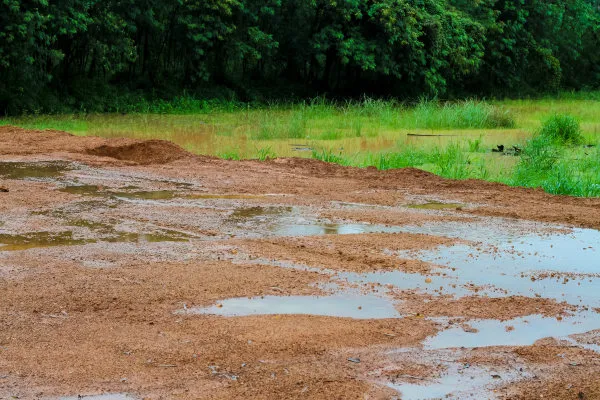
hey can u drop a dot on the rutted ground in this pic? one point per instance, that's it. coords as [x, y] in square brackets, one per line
[135, 268]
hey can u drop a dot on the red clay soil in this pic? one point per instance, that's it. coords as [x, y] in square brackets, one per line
[108, 315]
[143, 153]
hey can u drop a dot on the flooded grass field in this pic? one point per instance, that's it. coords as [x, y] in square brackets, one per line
[468, 139]
[368, 126]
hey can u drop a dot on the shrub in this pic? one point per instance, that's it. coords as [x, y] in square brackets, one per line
[562, 129]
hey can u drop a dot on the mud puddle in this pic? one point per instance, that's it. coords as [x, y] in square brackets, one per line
[100, 191]
[9, 242]
[300, 221]
[129, 193]
[214, 196]
[291, 221]
[109, 396]
[434, 205]
[146, 195]
[458, 382]
[507, 259]
[158, 237]
[34, 170]
[555, 266]
[339, 305]
[559, 266]
[83, 190]
[457, 379]
[522, 331]
[105, 233]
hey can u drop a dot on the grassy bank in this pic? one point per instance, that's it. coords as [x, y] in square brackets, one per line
[556, 166]
[454, 140]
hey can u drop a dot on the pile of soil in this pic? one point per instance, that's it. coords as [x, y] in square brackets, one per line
[19, 141]
[143, 153]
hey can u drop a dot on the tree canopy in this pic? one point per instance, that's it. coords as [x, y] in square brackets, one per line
[64, 52]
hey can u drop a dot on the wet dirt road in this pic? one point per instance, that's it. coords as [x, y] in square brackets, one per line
[133, 270]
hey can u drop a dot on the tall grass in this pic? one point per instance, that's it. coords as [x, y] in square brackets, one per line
[323, 120]
[461, 115]
[551, 161]
[562, 129]
[450, 162]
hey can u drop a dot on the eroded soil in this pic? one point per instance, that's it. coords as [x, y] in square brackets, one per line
[133, 269]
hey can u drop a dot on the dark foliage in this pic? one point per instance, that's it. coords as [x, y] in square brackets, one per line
[92, 54]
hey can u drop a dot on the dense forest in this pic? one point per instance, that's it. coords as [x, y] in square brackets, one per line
[83, 54]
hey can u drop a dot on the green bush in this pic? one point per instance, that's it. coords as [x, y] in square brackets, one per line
[562, 129]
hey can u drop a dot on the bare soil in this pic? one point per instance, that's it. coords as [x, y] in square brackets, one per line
[103, 309]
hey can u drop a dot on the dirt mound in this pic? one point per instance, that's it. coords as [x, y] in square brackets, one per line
[147, 152]
[18, 141]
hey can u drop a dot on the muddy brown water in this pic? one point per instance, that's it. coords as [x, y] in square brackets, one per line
[434, 205]
[84, 190]
[33, 170]
[45, 239]
[34, 240]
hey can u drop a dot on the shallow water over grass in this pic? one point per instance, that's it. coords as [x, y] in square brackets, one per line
[281, 132]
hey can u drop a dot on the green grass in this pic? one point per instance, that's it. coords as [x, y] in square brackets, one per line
[562, 129]
[553, 160]
[450, 162]
[451, 139]
[230, 154]
[462, 115]
[265, 153]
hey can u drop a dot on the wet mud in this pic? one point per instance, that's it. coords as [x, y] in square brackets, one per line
[133, 270]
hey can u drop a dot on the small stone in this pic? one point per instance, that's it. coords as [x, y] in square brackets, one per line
[354, 360]
[3, 189]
